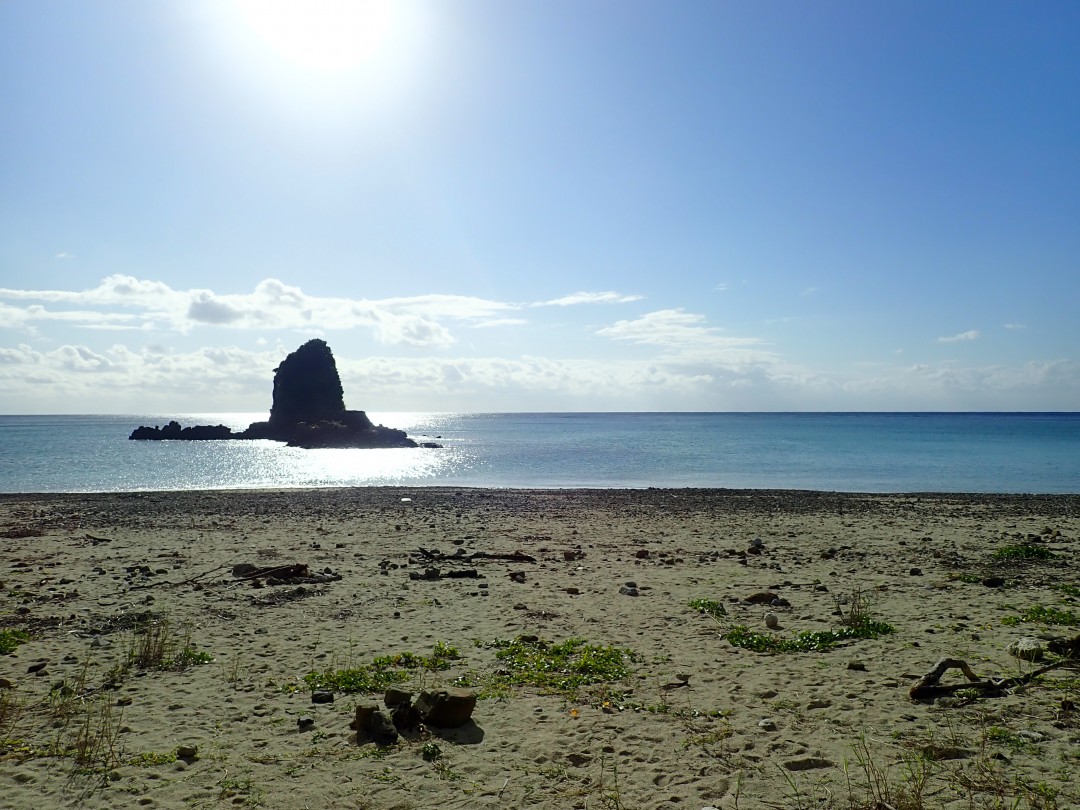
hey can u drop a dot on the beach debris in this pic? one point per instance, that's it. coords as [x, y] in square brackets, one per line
[771, 621]
[629, 589]
[928, 686]
[288, 574]
[322, 696]
[424, 555]
[1027, 648]
[305, 723]
[187, 753]
[517, 576]
[767, 724]
[856, 666]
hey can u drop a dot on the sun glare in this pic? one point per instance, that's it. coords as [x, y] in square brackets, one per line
[322, 35]
[325, 62]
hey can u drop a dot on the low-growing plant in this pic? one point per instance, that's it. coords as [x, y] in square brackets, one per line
[710, 607]
[11, 639]
[1023, 551]
[1038, 614]
[806, 641]
[560, 668]
[383, 671]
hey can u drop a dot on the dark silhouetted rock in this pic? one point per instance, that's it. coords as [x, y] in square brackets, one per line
[308, 411]
[307, 389]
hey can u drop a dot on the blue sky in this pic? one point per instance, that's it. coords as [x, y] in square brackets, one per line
[560, 205]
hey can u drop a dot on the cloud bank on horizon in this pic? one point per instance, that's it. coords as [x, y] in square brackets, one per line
[556, 206]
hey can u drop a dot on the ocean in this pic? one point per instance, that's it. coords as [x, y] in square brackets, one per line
[842, 452]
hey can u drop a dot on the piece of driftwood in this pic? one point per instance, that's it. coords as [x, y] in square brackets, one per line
[461, 556]
[187, 581]
[928, 686]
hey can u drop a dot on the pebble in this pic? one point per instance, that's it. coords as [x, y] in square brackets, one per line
[916, 572]
[628, 591]
[322, 696]
[857, 666]
[771, 621]
[767, 724]
[304, 723]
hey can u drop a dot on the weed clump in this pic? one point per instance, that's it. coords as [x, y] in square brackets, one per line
[383, 671]
[1023, 551]
[1038, 614]
[806, 641]
[710, 607]
[11, 639]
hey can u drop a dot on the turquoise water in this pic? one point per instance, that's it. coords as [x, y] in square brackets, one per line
[852, 452]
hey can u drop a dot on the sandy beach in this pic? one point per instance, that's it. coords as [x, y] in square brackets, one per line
[244, 594]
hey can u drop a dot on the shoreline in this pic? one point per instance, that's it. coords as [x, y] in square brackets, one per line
[86, 575]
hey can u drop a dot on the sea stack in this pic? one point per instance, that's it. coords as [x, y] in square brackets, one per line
[308, 410]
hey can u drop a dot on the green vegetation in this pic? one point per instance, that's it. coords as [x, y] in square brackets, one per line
[1068, 590]
[560, 668]
[11, 639]
[1023, 551]
[807, 641]
[383, 672]
[1007, 739]
[709, 607]
[1037, 614]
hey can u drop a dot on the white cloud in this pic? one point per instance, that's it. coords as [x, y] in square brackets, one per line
[500, 322]
[971, 334]
[64, 255]
[272, 305]
[1016, 326]
[590, 298]
[672, 327]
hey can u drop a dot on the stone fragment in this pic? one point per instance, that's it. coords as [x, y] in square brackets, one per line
[761, 598]
[305, 723]
[807, 763]
[381, 729]
[395, 697]
[771, 621]
[188, 753]
[446, 708]
[322, 696]
[767, 724]
[857, 666]
[363, 717]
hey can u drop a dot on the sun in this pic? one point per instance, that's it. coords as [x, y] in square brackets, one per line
[328, 36]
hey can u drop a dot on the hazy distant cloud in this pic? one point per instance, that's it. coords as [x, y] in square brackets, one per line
[499, 322]
[971, 334]
[64, 255]
[1016, 326]
[590, 298]
[272, 305]
[672, 327]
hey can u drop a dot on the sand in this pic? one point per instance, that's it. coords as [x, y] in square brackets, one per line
[698, 722]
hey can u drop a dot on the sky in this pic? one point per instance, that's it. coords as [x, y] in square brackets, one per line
[541, 205]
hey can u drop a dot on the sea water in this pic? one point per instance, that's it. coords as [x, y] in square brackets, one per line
[850, 452]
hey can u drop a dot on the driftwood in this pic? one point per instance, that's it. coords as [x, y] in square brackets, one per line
[187, 581]
[928, 686]
[461, 556]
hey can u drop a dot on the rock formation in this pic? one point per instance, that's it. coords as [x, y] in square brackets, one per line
[308, 410]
